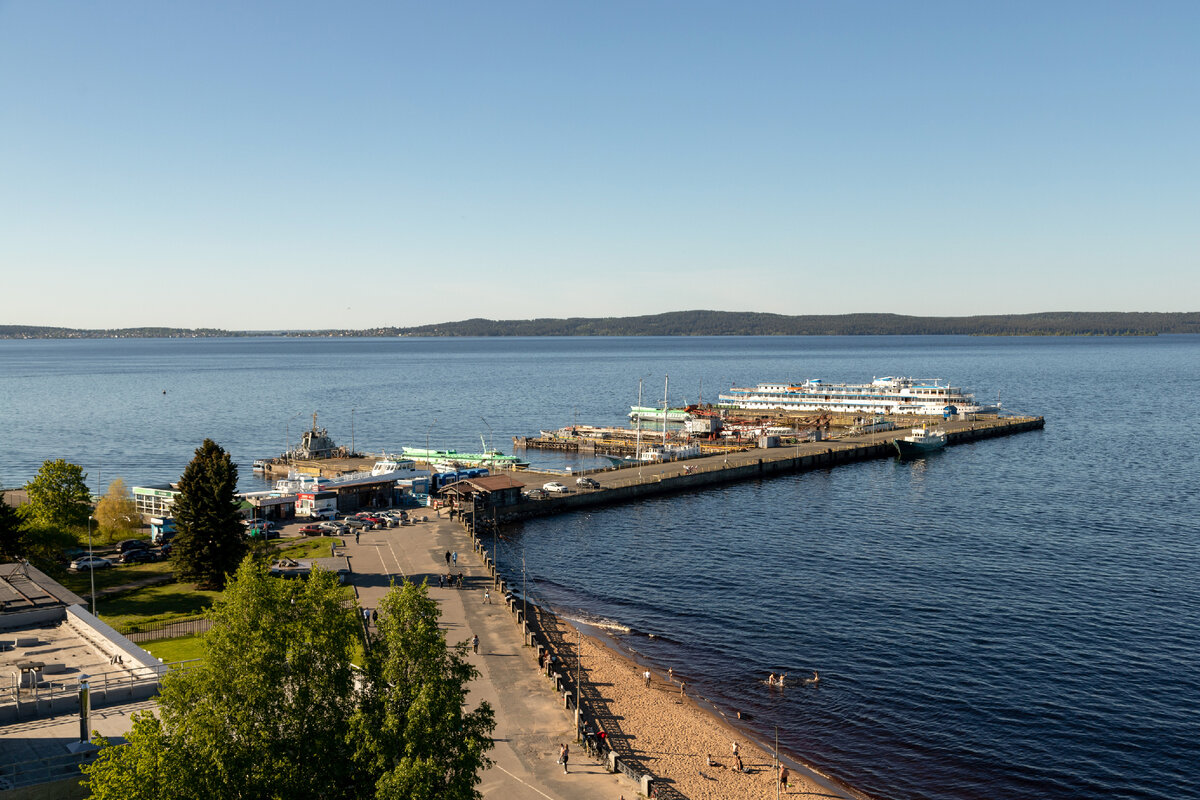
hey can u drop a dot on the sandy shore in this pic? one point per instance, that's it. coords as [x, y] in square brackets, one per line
[668, 734]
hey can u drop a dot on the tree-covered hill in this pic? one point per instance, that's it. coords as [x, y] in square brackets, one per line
[714, 323]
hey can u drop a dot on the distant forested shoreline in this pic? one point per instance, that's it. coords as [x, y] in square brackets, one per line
[704, 323]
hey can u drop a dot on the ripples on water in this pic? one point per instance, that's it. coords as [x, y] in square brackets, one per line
[1014, 618]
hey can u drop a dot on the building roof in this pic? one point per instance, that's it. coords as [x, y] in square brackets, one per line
[492, 483]
[23, 587]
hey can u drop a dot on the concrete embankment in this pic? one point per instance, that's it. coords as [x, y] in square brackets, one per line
[627, 483]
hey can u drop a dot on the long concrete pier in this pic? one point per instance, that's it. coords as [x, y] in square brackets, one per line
[625, 483]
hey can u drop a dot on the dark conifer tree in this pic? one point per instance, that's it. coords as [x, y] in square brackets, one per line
[209, 542]
[12, 532]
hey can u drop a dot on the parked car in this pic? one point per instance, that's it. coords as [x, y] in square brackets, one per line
[262, 532]
[332, 527]
[535, 494]
[555, 487]
[90, 562]
[311, 530]
[359, 524]
[587, 483]
[139, 556]
[125, 545]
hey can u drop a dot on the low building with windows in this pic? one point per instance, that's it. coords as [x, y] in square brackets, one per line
[492, 491]
[155, 501]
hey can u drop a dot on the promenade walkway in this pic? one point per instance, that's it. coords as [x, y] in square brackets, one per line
[530, 720]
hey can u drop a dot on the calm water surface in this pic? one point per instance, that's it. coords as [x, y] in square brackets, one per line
[1015, 618]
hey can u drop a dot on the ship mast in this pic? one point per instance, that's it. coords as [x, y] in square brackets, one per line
[638, 446]
[666, 383]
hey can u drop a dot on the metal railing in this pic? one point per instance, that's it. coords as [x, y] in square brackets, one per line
[170, 629]
[52, 696]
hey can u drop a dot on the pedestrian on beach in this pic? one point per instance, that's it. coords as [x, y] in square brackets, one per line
[564, 755]
[646, 677]
[475, 643]
[735, 749]
[671, 673]
[783, 777]
[682, 687]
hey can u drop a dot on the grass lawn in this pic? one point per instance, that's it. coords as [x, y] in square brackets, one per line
[319, 547]
[132, 610]
[81, 583]
[181, 648]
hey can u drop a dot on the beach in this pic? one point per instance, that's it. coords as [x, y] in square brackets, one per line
[668, 733]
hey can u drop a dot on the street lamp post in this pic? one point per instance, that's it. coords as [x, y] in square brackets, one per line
[91, 565]
[578, 682]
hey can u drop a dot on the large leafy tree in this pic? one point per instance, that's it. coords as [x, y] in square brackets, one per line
[12, 532]
[416, 739]
[273, 712]
[116, 513]
[208, 542]
[58, 496]
[265, 715]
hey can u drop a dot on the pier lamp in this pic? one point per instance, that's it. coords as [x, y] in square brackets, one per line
[91, 564]
[287, 433]
[578, 682]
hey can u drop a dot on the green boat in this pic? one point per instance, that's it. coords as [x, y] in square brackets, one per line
[490, 458]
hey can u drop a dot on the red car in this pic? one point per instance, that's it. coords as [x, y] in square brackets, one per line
[311, 530]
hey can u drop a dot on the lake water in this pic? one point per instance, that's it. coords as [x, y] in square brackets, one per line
[1014, 618]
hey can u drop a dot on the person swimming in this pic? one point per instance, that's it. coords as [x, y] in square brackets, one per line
[813, 680]
[771, 680]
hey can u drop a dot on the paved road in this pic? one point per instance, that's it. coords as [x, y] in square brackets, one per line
[530, 720]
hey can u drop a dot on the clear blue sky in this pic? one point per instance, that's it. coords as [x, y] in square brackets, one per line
[291, 164]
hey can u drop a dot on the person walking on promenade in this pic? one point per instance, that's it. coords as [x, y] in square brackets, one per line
[454, 556]
[447, 558]
[441, 581]
[487, 597]
[475, 643]
[356, 536]
[564, 755]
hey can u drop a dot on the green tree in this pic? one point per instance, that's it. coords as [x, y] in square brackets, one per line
[116, 513]
[416, 740]
[12, 532]
[265, 715]
[209, 542]
[58, 496]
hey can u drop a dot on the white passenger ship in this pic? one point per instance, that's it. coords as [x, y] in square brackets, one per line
[881, 396]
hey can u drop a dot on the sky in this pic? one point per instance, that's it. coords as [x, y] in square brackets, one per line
[270, 165]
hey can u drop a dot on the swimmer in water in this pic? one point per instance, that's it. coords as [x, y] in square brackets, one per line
[771, 680]
[813, 680]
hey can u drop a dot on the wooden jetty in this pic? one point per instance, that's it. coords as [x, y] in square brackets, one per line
[635, 481]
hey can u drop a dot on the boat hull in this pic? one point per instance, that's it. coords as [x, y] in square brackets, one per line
[907, 449]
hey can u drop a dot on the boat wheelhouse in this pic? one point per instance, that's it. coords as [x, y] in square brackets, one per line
[888, 395]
